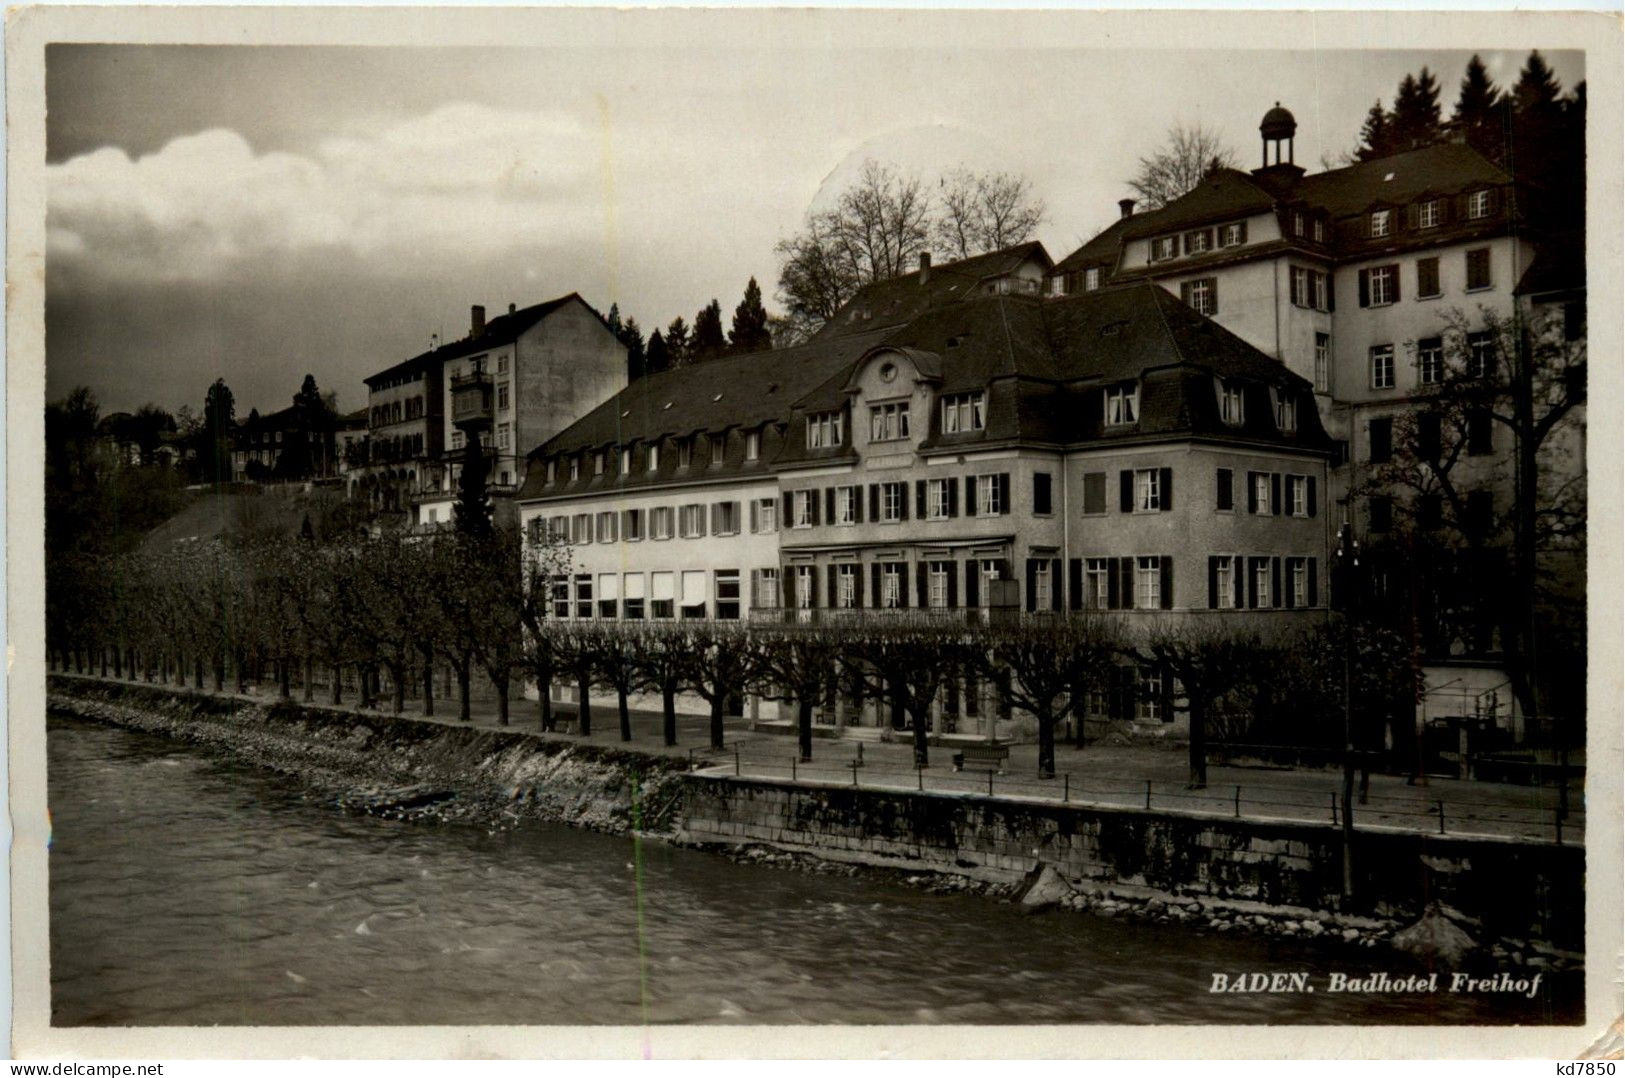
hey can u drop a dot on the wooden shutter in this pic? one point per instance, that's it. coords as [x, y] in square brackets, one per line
[952, 490]
[1314, 585]
[755, 516]
[902, 499]
[1057, 598]
[857, 574]
[970, 495]
[1004, 494]
[953, 584]
[829, 586]
[1212, 583]
[1243, 231]
[874, 501]
[789, 511]
[902, 583]
[857, 503]
[1074, 583]
[1331, 295]
[874, 580]
[1275, 581]
[1166, 481]
[1286, 593]
[1238, 588]
[1031, 598]
[1275, 493]
[1126, 588]
[1125, 489]
[1167, 582]
[919, 499]
[1393, 272]
[1224, 496]
[1309, 494]
[1252, 583]
[1365, 288]
[973, 583]
[922, 584]
[716, 518]
[1212, 296]
[1252, 492]
[829, 506]
[812, 591]
[1114, 596]
[787, 585]
[1411, 215]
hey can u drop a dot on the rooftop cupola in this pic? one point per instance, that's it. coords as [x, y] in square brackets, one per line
[1277, 128]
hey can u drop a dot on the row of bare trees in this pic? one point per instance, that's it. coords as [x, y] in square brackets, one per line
[394, 606]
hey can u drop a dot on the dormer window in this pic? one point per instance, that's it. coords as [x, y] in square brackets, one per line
[598, 463]
[1319, 229]
[653, 463]
[888, 422]
[1199, 241]
[719, 448]
[1164, 248]
[552, 470]
[1286, 412]
[575, 467]
[1091, 278]
[685, 452]
[1479, 205]
[1298, 223]
[1230, 403]
[1233, 234]
[964, 412]
[824, 430]
[1430, 214]
[753, 445]
[1057, 285]
[1381, 223]
[1122, 404]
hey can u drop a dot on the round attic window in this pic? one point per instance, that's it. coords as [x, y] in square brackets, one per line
[888, 371]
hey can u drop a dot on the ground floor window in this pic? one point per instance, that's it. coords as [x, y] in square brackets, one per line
[846, 586]
[694, 593]
[1152, 707]
[662, 595]
[584, 596]
[767, 588]
[632, 601]
[609, 595]
[728, 594]
[804, 587]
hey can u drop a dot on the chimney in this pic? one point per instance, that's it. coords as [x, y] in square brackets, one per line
[925, 266]
[1126, 206]
[512, 308]
[476, 321]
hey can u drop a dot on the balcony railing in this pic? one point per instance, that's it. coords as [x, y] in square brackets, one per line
[471, 398]
[949, 615]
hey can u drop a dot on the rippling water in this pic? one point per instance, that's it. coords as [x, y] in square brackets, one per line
[187, 890]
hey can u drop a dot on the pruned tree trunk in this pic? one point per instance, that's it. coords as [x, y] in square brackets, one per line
[428, 681]
[309, 676]
[338, 684]
[399, 674]
[197, 672]
[544, 703]
[1198, 743]
[502, 701]
[103, 650]
[464, 714]
[668, 715]
[625, 713]
[284, 678]
[804, 725]
[922, 753]
[584, 717]
[717, 704]
[1046, 744]
[118, 662]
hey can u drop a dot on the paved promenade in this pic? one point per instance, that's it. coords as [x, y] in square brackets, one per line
[1130, 776]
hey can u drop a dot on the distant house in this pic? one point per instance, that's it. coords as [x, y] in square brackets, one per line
[293, 444]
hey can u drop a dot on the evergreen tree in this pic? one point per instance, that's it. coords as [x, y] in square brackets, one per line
[678, 344]
[472, 510]
[1481, 111]
[1537, 89]
[613, 318]
[632, 336]
[1415, 120]
[656, 358]
[708, 338]
[219, 424]
[749, 333]
[1376, 136]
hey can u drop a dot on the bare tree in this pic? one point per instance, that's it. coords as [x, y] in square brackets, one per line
[1046, 668]
[981, 212]
[1189, 154]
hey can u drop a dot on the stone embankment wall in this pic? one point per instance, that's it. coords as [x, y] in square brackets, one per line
[1506, 888]
[381, 762]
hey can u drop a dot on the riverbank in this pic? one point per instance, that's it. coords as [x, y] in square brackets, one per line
[1227, 876]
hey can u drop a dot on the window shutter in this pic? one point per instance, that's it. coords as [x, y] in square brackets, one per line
[902, 499]
[1125, 486]
[973, 583]
[1411, 216]
[1331, 294]
[829, 585]
[716, 518]
[787, 585]
[1004, 493]
[1213, 295]
[1114, 598]
[1244, 232]
[1286, 594]
[919, 498]
[902, 584]
[857, 504]
[1126, 567]
[1185, 241]
[1224, 495]
[812, 592]
[970, 495]
[789, 513]
[1212, 583]
[1252, 584]
[953, 585]
[1309, 495]
[874, 580]
[1074, 583]
[1238, 566]
[1056, 591]
[755, 587]
[1167, 483]
[1029, 599]
[1252, 492]
[755, 516]
[1167, 582]
[874, 501]
[1365, 288]
[1314, 585]
[952, 490]
[1275, 581]
[829, 505]
[1393, 272]
[1275, 493]
[922, 593]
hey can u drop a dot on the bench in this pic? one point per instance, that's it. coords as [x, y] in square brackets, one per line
[982, 757]
[564, 722]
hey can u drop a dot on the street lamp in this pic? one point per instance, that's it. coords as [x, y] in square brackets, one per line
[1348, 561]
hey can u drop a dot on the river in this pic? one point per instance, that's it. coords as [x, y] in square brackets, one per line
[190, 890]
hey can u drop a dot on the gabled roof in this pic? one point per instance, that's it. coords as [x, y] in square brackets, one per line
[899, 299]
[1102, 249]
[1227, 193]
[499, 331]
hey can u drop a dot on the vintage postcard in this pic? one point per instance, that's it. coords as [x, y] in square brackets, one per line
[662, 533]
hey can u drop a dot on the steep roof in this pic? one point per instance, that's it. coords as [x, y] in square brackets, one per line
[1103, 248]
[499, 331]
[899, 299]
[1226, 193]
[1441, 168]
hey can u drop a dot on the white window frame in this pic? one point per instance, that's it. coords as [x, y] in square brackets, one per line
[767, 516]
[753, 445]
[598, 462]
[1286, 412]
[1043, 589]
[1164, 248]
[1201, 295]
[1478, 205]
[504, 435]
[660, 522]
[1224, 583]
[964, 412]
[1381, 279]
[632, 529]
[846, 586]
[1091, 279]
[987, 496]
[663, 589]
[936, 580]
[604, 525]
[691, 520]
[1297, 495]
[626, 460]
[1122, 405]
[1261, 584]
[936, 499]
[888, 422]
[1298, 577]
[803, 596]
[1149, 697]
[767, 587]
[727, 518]
[846, 506]
[581, 528]
[1199, 241]
[801, 502]
[653, 462]
[824, 430]
[1231, 404]
[1382, 366]
[1148, 582]
[1230, 235]
[1096, 583]
[1381, 223]
[719, 449]
[1430, 361]
[891, 586]
[1261, 493]
[891, 501]
[1147, 490]
[1323, 362]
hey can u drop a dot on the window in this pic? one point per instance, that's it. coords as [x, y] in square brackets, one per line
[725, 518]
[719, 449]
[598, 463]
[891, 502]
[767, 588]
[1042, 586]
[1224, 490]
[1480, 433]
[632, 608]
[632, 525]
[1323, 363]
[888, 422]
[990, 570]
[846, 505]
[1297, 222]
[584, 595]
[753, 445]
[1480, 512]
[767, 515]
[989, 500]
[804, 587]
[1042, 494]
[1224, 583]
[575, 462]
[1307, 288]
[1379, 286]
[964, 412]
[1480, 354]
[560, 592]
[694, 597]
[609, 595]
[1094, 494]
[801, 508]
[1427, 278]
[1149, 696]
[1297, 495]
[846, 586]
[1261, 594]
[653, 463]
[1096, 583]
[1263, 487]
[626, 461]
[1091, 278]
[691, 521]
[937, 495]
[1428, 214]
[1380, 514]
[1056, 285]
[1430, 361]
[1230, 409]
[1298, 574]
[728, 594]
[1319, 230]
[1148, 583]
[1164, 248]
[1478, 205]
[1122, 404]
[1148, 490]
[1233, 235]
[504, 435]
[502, 397]
[660, 522]
[685, 452]
[1198, 242]
[606, 527]
[581, 527]
[1429, 511]
[1382, 366]
[1478, 269]
[458, 441]
[1381, 223]
[663, 595]
[891, 585]
[1286, 412]
[1429, 435]
[1382, 440]
[558, 529]
[1201, 294]
[824, 430]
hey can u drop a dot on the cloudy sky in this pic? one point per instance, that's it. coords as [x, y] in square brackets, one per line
[255, 213]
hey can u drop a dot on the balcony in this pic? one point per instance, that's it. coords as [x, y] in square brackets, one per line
[471, 400]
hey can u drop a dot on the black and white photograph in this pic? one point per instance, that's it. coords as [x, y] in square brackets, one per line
[648, 525]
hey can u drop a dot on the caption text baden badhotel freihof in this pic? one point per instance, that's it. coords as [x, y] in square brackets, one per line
[1169, 419]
